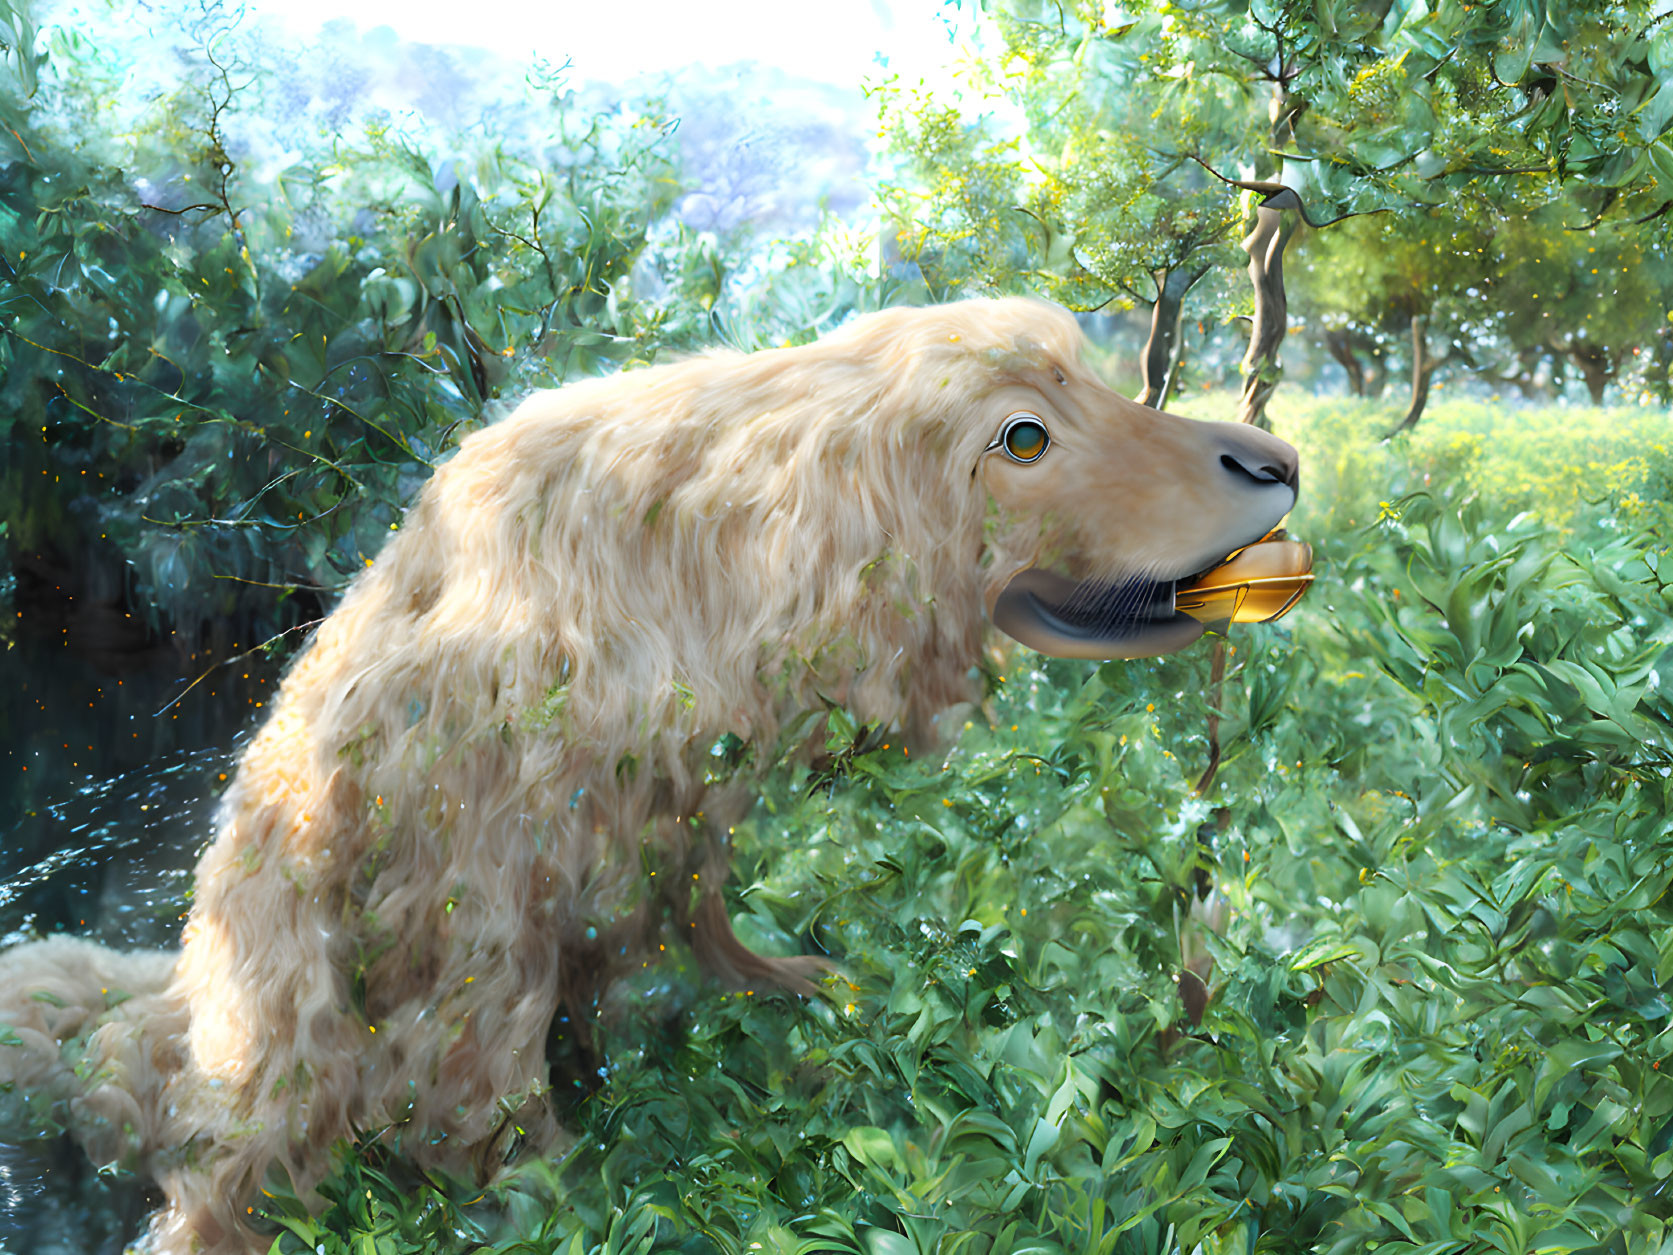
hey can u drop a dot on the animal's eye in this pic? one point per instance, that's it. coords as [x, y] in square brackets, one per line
[1024, 438]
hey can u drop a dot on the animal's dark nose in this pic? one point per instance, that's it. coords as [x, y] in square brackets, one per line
[1260, 472]
[1256, 457]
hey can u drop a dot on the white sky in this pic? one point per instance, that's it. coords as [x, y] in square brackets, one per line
[612, 41]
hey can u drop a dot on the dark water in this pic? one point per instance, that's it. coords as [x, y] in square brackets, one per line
[110, 858]
[110, 764]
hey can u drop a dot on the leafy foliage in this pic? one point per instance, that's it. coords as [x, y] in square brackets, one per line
[1500, 297]
[1398, 981]
[1100, 148]
[237, 376]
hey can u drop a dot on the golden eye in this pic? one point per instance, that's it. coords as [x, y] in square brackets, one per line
[1024, 438]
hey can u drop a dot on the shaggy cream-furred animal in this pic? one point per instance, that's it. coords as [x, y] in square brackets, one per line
[485, 787]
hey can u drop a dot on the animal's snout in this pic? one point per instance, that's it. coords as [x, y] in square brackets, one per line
[1256, 457]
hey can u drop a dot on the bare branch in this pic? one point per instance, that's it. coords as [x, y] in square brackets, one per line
[1279, 196]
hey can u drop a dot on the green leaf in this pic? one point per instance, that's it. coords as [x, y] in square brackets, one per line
[1323, 950]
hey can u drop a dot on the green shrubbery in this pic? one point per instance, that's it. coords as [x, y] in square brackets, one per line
[228, 374]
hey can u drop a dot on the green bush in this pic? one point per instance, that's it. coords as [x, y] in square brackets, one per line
[235, 376]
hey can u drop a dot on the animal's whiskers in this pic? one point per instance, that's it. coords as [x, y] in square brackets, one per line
[1113, 603]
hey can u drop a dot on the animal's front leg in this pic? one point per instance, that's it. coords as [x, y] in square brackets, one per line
[461, 997]
[705, 919]
[734, 964]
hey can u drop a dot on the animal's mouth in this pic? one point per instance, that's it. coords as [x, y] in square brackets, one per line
[1141, 618]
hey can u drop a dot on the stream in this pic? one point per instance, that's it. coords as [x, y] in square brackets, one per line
[110, 764]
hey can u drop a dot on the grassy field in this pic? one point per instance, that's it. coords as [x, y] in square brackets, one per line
[1568, 465]
[1427, 889]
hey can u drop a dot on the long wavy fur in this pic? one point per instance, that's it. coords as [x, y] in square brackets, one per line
[447, 827]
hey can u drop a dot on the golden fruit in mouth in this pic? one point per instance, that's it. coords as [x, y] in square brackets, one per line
[1256, 584]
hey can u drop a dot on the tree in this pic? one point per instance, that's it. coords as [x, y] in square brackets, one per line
[1329, 109]
[222, 382]
[1147, 237]
[1498, 295]
[1416, 278]
[1585, 299]
[1102, 222]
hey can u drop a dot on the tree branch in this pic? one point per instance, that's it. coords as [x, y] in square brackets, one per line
[1279, 196]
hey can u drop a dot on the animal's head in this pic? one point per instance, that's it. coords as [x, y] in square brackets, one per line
[1102, 507]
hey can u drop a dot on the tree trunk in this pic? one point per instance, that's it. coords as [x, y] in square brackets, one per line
[1176, 366]
[1216, 694]
[1261, 368]
[1339, 344]
[1526, 376]
[1376, 374]
[1160, 351]
[1423, 367]
[1596, 365]
[1660, 375]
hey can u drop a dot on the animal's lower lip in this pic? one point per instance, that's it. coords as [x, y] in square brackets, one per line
[1142, 618]
[1068, 619]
